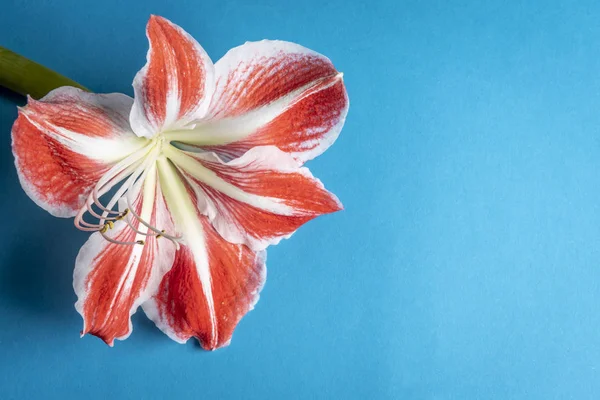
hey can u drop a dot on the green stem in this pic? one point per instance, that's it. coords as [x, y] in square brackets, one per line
[27, 77]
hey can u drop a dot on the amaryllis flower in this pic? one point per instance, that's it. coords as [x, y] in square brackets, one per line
[184, 186]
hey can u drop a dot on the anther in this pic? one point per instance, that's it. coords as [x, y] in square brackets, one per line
[140, 242]
[123, 215]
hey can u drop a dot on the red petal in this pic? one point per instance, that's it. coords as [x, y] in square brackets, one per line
[256, 74]
[65, 142]
[213, 283]
[180, 307]
[273, 93]
[305, 129]
[259, 198]
[112, 280]
[174, 85]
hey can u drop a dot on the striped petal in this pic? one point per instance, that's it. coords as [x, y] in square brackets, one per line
[63, 144]
[213, 283]
[175, 85]
[272, 93]
[256, 199]
[181, 307]
[112, 280]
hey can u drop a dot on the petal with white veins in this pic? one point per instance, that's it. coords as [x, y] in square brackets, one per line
[272, 93]
[256, 199]
[213, 283]
[112, 280]
[175, 85]
[65, 142]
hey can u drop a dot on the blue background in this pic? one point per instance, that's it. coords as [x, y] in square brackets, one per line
[466, 263]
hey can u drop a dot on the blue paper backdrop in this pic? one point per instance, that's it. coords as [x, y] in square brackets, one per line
[465, 266]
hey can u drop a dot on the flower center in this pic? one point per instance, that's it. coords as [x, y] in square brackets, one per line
[137, 172]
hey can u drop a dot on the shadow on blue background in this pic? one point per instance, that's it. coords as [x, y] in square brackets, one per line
[465, 265]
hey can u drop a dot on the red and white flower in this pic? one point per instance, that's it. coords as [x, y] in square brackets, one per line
[186, 185]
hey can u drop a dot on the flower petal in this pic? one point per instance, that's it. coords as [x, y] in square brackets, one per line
[272, 93]
[180, 307]
[112, 280]
[213, 283]
[256, 199]
[175, 85]
[63, 144]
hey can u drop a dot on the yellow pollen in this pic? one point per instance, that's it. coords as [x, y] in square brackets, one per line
[108, 225]
[120, 217]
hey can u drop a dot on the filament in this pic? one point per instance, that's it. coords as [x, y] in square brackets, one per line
[131, 171]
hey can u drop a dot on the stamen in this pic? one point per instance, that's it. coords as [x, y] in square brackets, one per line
[153, 228]
[122, 190]
[106, 182]
[139, 175]
[95, 214]
[121, 242]
[134, 171]
[128, 222]
[124, 187]
[123, 214]
[134, 168]
[99, 204]
[87, 228]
